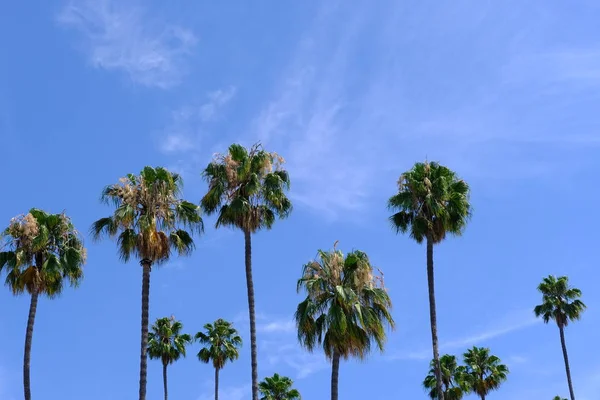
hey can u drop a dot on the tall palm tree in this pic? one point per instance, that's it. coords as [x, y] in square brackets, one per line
[221, 344]
[247, 191]
[454, 383]
[561, 304]
[345, 309]
[278, 388]
[42, 251]
[149, 223]
[485, 372]
[167, 343]
[431, 202]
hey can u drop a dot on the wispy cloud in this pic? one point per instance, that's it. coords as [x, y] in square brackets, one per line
[279, 345]
[350, 115]
[228, 393]
[188, 124]
[510, 323]
[277, 326]
[119, 36]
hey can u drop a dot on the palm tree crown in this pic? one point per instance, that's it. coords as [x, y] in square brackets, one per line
[485, 372]
[346, 306]
[221, 342]
[166, 342]
[454, 382]
[560, 302]
[278, 388]
[150, 217]
[247, 188]
[431, 202]
[42, 251]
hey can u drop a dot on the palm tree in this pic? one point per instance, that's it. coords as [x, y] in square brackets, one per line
[484, 372]
[167, 344]
[42, 251]
[558, 398]
[345, 309]
[431, 202]
[222, 344]
[561, 304]
[454, 383]
[247, 191]
[148, 222]
[278, 388]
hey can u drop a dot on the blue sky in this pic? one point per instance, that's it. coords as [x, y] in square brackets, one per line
[351, 94]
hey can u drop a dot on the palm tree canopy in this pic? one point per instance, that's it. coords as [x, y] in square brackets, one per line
[166, 342]
[346, 305]
[454, 381]
[558, 398]
[41, 251]
[485, 372]
[431, 201]
[150, 219]
[278, 388]
[221, 343]
[247, 188]
[560, 302]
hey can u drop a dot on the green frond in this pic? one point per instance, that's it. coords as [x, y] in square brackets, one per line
[42, 251]
[345, 310]
[431, 202]
[245, 191]
[560, 302]
[221, 343]
[150, 218]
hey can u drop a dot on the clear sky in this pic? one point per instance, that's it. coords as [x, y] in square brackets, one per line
[351, 93]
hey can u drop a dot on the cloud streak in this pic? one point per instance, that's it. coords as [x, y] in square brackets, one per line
[119, 37]
[188, 124]
[511, 323]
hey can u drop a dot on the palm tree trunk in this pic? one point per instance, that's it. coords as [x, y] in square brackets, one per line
[28, 339]
[433, 319]
[165, 381]
[250, 286]
[216, 383]
[146, 268]
[566, 357]
[335, 372]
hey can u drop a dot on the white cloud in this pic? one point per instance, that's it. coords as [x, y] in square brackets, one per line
[188, 124]
[118, 36]
[510, 323]
[216, 100]
[277, 326]
[229, 393]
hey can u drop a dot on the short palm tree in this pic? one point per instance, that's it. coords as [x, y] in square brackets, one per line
[41, 251]
[278, 388]
[558, 398]
[221, 344]
[454, 383]
[561, 304]
[431, 202]
[167, 343]
[246, 188]
[149, 222]
[345, 309]
[484, 372]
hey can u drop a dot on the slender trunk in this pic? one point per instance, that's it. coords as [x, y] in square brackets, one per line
[566, 357]
[216, 383]
[483, 397]
[250, 285]
[433, 319]
[146, 267]
[28, 339]
[335, 372]
[165, 381]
